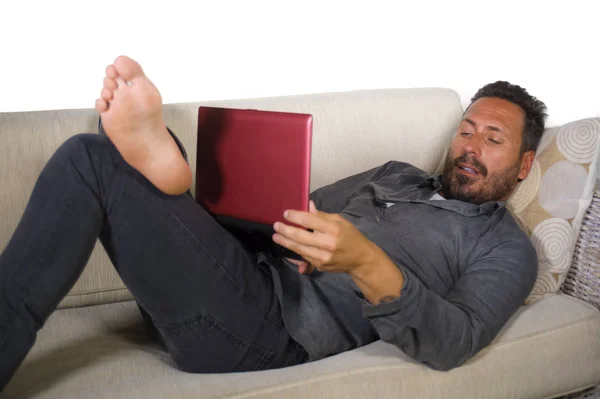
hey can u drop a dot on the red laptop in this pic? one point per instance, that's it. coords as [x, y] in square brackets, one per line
[251, 166]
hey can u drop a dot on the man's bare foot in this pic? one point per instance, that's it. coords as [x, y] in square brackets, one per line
[131, 110]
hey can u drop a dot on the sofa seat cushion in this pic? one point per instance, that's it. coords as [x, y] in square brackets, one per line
[548, 348]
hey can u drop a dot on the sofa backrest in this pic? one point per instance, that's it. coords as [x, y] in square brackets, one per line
[352, 132]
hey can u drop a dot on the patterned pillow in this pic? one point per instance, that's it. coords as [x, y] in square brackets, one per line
[550, 204]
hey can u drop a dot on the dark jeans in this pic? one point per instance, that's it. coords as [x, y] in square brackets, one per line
[215, 309]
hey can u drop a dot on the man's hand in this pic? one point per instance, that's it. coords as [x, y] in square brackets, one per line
[335, 245]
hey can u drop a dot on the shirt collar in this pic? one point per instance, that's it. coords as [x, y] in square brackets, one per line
[434, 184]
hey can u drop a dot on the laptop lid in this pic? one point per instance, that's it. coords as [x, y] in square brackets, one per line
[252, 165]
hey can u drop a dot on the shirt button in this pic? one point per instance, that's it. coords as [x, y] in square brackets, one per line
[377, 218]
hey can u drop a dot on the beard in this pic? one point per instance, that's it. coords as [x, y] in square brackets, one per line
[495, 186]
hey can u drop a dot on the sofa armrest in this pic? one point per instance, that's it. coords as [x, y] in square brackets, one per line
[583, 279]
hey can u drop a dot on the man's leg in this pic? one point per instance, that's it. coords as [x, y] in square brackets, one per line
[216, 310]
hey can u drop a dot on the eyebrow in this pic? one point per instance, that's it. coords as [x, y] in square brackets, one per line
[489, 127]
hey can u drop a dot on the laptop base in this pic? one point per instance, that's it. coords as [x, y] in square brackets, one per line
[256, 237]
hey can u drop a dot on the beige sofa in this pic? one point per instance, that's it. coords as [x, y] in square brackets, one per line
[95, 346]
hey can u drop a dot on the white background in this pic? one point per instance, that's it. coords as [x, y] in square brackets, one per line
[54, 52]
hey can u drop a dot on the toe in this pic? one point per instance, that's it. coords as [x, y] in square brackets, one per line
[101, 105]
[106, 94]
[110, 84]
[127, 68]
[111, 72]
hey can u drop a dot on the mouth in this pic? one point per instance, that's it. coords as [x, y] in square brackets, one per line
[467, 169]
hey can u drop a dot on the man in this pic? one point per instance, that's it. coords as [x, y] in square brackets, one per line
[434, 265]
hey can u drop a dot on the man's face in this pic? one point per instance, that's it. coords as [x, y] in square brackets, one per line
[484, 162]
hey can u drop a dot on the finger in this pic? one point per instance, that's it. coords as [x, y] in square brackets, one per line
[301, 236]
[314, 255]
[306, 268]
[302, 268]
[317, 222]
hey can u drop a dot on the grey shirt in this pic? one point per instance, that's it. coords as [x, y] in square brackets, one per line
[467, 269]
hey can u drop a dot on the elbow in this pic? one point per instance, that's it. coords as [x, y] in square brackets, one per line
[443, 364]
[445, 357]
[452, 354]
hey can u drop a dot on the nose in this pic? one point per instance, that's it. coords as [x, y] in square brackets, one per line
[473, 145]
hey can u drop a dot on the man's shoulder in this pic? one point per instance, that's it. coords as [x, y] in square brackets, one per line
[509, 225]
[507, 235]
[517, 249]
[395, 167]
[503, 226]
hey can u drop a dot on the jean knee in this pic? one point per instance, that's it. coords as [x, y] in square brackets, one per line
[85, 148]
[84, 141]
[88, 158]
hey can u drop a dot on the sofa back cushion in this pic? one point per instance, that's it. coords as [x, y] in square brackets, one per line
[353, 131]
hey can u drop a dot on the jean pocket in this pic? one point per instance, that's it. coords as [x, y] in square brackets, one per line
[203, 345]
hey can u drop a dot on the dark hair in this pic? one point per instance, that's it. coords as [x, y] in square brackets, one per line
[535, 110]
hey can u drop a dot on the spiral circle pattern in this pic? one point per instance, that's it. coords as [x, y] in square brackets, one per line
[552, 241]
[578, 141]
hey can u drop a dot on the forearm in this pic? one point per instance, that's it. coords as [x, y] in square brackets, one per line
[379, 279]
[444, 330]
[439, 341]
[425, 326]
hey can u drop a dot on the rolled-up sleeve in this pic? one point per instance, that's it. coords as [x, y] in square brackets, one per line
[444, 332]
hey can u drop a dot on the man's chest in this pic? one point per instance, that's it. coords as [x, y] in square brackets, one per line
[433, 244]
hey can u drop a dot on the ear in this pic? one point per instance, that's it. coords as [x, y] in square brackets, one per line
[526, 163]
